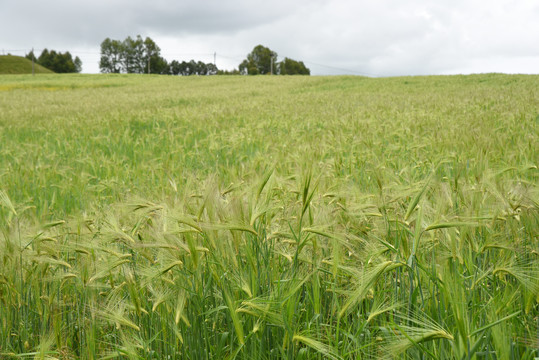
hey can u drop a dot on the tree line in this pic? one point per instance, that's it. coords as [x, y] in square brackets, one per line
[143, 56]
[263, 60]
[57, 61]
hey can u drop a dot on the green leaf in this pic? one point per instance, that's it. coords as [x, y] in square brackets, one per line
[449, 225]
[415, 201]
[486, 327]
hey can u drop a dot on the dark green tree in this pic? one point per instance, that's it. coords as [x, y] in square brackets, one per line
[292, 67]
[261, 60]
[159, 65]
[192, 68]
[184, 68]
[175, 67]
[57, 61]
[46, 58]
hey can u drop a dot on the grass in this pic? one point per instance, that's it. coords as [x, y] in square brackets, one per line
[269, 217]
[10, 64]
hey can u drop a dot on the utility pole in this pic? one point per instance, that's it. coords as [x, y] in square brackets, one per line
[271, 68]
[214, 58]
[148, 65]
[33, 68]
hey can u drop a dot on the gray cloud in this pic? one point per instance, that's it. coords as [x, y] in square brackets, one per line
[91, 21]
[386, 37]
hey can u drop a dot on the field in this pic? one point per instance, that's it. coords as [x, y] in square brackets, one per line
[148, 217]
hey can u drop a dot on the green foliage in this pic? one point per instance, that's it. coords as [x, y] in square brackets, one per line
[269, 217]
[261, 60]
[112, 56]
[57, 62]
[292, 67]
[134, 59]
[192, 68]
[136, 56]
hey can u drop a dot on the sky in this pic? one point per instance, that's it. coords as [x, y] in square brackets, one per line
[373, 38]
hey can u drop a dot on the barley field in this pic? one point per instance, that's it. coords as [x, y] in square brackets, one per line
[148, 217]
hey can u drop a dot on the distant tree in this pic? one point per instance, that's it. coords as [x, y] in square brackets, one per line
[192, 68]
[175, 67]
[159, 65]
[31, 55]
[78, 64]
[112, 56]
[46, 58]
[57, 61]
[211, 69]
[61, 63]
[152, 57]
[259, 61]
[132, 56]
[248, 68]
[292, 67]
[184, 68]
[200, 68]
[135, 55]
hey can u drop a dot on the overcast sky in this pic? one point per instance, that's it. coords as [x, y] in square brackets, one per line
[378, 38]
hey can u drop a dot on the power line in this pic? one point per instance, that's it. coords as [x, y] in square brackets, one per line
[187, 54]
[230, 58]
[342, 69]
[210, 55]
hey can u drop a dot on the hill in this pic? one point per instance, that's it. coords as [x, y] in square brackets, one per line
[10, 64]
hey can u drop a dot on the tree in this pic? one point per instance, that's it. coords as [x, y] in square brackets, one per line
[184, 68]
[143, 56]
[46, 58]
[159, 65]
[133, 55]
[57, 61]
[192, 68]
[187, 68]
[261, 60]
[78, 64]
[152, 57]
[112, 56]
[292, 67]
[211, 69]
[175, 67]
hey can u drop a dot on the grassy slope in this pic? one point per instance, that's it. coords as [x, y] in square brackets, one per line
[399, 205]
[10, 64]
